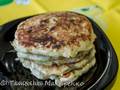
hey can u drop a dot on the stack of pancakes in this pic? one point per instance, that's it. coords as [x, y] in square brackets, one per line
[56, 46]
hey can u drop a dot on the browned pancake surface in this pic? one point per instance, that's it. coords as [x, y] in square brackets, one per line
[54, 30]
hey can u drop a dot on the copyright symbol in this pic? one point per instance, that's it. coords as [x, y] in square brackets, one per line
[3, 83]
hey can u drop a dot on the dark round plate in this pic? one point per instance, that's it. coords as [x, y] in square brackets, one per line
[98, 77]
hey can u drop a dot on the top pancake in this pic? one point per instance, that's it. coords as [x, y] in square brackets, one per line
[56, 34]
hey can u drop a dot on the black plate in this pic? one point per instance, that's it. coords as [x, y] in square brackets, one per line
[98, 77]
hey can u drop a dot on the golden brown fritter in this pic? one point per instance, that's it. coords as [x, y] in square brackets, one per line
[54, 30]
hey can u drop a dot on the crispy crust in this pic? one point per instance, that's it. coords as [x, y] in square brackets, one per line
[54, 30]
